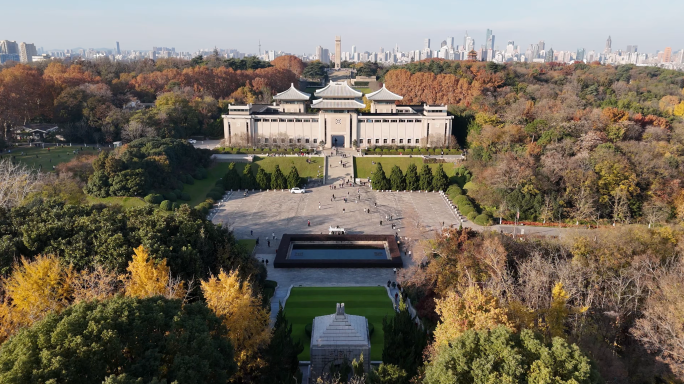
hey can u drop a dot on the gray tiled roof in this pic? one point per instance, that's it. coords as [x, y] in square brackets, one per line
[337, 104]
[292, 93]
[340, 329]
[383, 94]
[338, 89]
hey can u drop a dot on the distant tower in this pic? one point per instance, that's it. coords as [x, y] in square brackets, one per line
[427, 44]
[338, 52]
[609, 44]
[667, 55]
[118, 50]
[259, 47]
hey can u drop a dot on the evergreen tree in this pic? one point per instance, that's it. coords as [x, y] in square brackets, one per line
[379, 180]
[441, 181]
[282, 363]
[388, 374]
[425, 178]
[357, 367]
[278, 180]
[263, 179]
[462, 176]
[397, 179]
[231, 181]
[404, 341]
[248, 180]
[293, 179]
[412, 177]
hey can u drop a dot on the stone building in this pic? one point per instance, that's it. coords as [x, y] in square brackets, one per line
[337, 121]
[336, 337]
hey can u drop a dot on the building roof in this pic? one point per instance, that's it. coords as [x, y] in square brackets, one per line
[292, 94]
[337, 104]
[337, 89]
[383, 94]
[339, 329]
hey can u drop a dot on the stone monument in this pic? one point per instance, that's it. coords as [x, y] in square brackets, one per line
[336, 337]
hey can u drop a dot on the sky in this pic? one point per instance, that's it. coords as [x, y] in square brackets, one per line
[299, 26]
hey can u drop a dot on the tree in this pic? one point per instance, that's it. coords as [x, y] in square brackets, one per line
[263, 179]
[231, 181]
[388, 374]
[236, 303]
[136, 130]
[412, 180]
[281, 356]
[278, 180]
[146, 278]
[405, 341]
[425, 182]
[502, 356]
[379, 180]
[314, 70]
[293, 179]
[475, 309]
[441, 181]
[144, 339]
[248, 180]
[397, 179]
[16, 182]
[289, 62]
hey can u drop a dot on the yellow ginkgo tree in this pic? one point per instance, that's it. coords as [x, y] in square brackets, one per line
[147, 278]
[247, 321]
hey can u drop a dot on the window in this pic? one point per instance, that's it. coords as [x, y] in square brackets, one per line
[290, 120]
[298, 120]
[384, 141]
[392, 141]
[402, 121]
[314, 120]
[408, 141]
[299, 141]
[393, 121]
[369, 141]
[315, 141]
[401, 141]
[291, 141]
[385, 121]
[281, 120]
[307, 120]
[409, 121]
[417, 141]
[306, 141]
[360, 141]
[265, 141]
[257, 120]
[377, 141]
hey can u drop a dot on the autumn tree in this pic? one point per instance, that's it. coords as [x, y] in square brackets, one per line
[16, 182]
[147, 278]
[475, 309]
[234, 301]
[289, 62]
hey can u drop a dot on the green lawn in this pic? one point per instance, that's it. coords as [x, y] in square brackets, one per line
[198, 191]
[305, 303]
[305, 169]
[247, 245]
[37, 157]
[126, 202]
[364, 165]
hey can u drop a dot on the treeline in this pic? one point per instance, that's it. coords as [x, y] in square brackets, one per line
[99, 101]
[411, 181]
[263, 180]
[609, 296]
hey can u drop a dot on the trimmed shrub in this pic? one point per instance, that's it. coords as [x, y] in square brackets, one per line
[200, 173]
[185, 196]
[472, 215]
[170, 196]
[483, 220]
[189, 180]
[166, 205]
[177, 192]
[176, 206]
[214, 195]
[154, 198]
[453, 191]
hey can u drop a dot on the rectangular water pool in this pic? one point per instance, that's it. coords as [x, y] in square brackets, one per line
[329, 252]
[337, 251]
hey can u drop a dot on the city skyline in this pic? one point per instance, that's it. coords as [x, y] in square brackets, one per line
[206, 24]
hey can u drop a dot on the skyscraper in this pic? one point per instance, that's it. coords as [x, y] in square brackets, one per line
[10, 47]
[549, 56]
[338, 52]
[26, 52]
[489, 42]
[427, 44]
[609, 45]
[450, 42]
[632, 48]
[118, 50]
[580, 54]
[667, 55]
[542, 45]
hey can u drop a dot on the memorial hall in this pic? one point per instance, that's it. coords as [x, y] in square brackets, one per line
[332, 119]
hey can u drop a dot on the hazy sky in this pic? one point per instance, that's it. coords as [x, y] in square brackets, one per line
[299, 26]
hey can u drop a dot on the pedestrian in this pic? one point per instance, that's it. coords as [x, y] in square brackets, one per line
[251, 232]
[380, 222]
[333, 195]
[319, 205]
[257, 242]
[395, 270]
[331, 199]
[376, 204]
[342, 210]
[273, 233]
[308, 223]
[269, 243]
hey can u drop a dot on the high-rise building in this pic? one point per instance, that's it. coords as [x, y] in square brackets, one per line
[542, 45]
[427, 44]
[9, 47]
[632, 48]
[118, 50]
[489, 42]
[609, 45]
[549, 56]
[667, 55]
[353, 51]
[468, 43]
[26, 52]
[450, 42]
[443, 44]
[580, 54]
[338, 52]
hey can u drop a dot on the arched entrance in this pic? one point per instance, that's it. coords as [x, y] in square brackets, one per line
[337, 141]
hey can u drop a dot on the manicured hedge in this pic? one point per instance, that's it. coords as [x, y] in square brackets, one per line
[166, 205]
[245, 151]
[410, 151]
[154, 198]
[483, 219]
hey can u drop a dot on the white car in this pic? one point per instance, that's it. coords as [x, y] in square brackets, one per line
[297, 190]
[192, 141]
